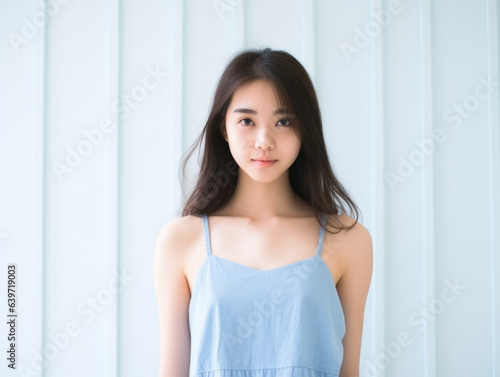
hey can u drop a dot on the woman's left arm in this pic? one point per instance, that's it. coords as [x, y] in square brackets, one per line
[357, 258]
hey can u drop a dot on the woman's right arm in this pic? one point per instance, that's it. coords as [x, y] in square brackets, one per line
[172, 296]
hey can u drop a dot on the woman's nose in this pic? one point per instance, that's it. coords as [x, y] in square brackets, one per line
[264, 138]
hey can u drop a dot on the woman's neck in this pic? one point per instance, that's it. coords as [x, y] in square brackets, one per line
[265, 202]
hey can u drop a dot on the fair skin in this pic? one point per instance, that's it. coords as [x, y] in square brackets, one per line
[265, 225]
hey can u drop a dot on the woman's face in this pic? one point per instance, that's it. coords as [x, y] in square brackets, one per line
[257, 128]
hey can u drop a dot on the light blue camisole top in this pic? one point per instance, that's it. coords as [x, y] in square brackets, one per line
[283, 322]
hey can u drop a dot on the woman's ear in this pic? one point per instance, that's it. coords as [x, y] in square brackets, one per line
[224, 133]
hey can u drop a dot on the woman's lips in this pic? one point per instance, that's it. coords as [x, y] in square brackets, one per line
[264, 164]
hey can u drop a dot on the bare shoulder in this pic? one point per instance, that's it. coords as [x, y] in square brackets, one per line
[358, 238]
[180, 228]
[174, 239]
[352, 248]
[357, 235]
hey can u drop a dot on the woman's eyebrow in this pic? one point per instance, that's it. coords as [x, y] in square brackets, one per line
[250, 111]
[245, 111]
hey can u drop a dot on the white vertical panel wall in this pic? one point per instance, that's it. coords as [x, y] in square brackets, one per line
[100, 99]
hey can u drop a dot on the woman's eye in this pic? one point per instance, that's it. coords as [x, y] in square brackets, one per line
[246, 121]
[284, 122]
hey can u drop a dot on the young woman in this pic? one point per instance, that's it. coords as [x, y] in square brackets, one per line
[266, 273]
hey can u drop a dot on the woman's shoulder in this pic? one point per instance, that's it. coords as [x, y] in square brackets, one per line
[354, 240]
[348, 221]
[176, 236]
[350, 249]
[180, 229]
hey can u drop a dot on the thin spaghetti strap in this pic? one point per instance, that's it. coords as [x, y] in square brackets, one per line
[321, 233]
[206, 231]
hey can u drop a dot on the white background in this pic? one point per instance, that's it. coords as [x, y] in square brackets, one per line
[382, 95]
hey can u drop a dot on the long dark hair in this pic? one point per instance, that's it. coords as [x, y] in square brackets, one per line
[311, 175]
